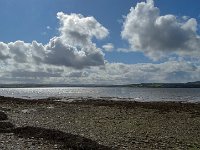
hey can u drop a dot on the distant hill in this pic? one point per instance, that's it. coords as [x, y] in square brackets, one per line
[141, 85]
[167, 85]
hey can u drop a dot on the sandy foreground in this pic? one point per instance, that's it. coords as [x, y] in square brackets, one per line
[98, 124]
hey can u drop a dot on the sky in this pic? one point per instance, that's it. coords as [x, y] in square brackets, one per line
[99, 42]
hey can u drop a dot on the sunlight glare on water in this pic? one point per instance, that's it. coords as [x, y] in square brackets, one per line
[138, 94]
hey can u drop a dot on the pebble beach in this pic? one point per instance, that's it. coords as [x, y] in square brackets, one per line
[92, 123]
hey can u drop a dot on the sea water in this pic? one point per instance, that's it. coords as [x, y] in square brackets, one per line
[138, 94]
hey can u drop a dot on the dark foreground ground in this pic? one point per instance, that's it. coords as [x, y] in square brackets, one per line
[98, 124]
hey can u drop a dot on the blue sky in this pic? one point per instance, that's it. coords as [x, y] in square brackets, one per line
[36, 20]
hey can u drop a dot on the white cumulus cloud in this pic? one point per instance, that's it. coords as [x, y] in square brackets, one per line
[158, 36]
[72, 48]
[62, 54]
[78, 30]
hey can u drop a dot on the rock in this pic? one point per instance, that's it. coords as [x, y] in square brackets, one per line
[3, 116]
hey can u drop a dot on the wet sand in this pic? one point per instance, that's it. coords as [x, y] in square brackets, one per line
[89, 123]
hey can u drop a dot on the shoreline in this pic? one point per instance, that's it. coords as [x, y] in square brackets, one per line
[107, 101]
[104, 124]
[100, 99]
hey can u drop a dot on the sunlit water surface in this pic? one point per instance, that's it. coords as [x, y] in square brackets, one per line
[138, 94]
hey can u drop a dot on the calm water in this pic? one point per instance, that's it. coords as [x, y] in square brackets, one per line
[139, 94]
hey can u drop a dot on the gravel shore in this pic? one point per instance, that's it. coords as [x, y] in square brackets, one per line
[98, 124]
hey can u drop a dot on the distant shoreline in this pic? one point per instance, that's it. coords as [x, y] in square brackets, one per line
[140, 85]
